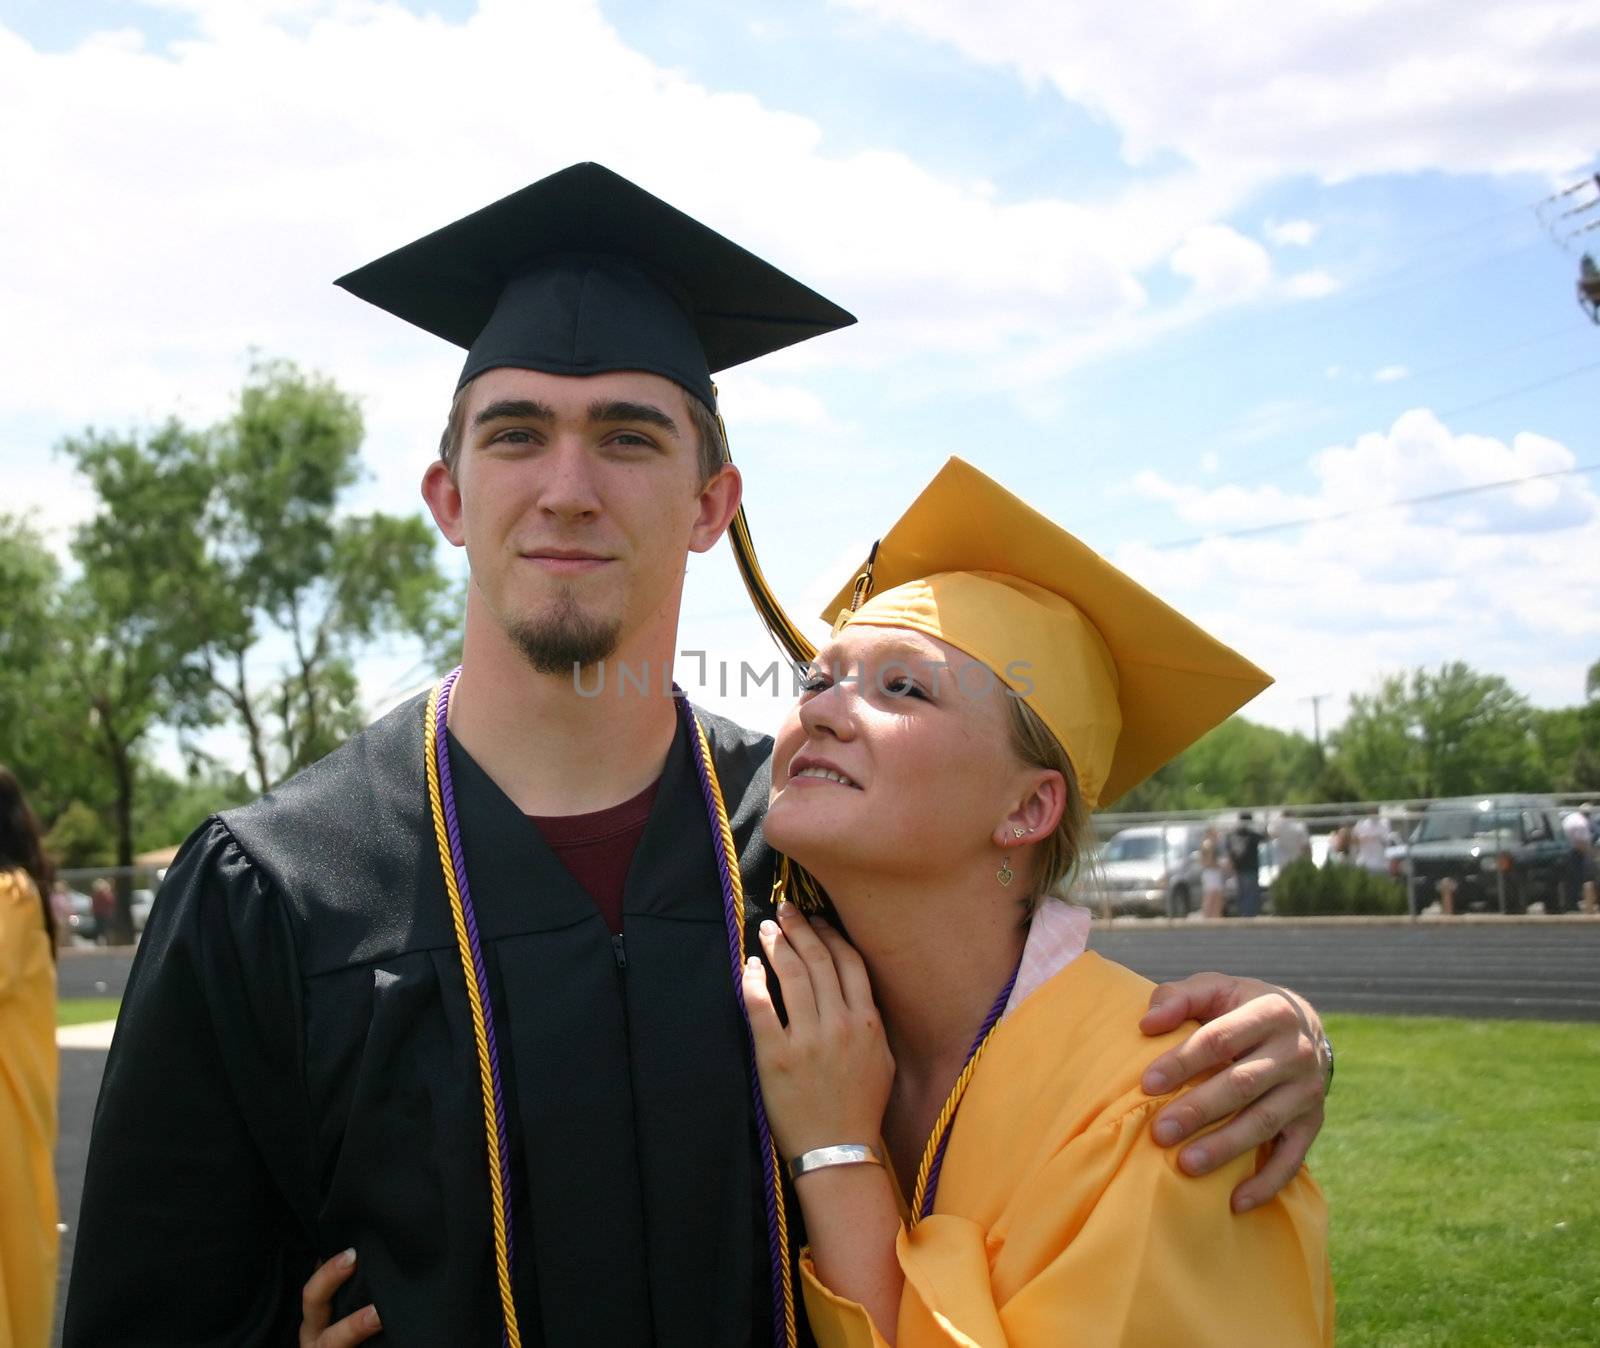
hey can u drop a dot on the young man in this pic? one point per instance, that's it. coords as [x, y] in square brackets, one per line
[462, 997]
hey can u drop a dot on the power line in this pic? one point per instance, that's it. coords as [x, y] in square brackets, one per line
[1256, 531]
[1317, 312]
[1278, 467]
[1428, 371]
[1517, 392]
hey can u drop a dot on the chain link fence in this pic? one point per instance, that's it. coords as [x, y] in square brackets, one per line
[1512, 853]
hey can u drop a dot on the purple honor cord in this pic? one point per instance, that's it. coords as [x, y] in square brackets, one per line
[480, 973]
[978, 1042]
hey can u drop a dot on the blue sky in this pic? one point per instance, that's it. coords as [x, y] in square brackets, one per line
[1166, 275]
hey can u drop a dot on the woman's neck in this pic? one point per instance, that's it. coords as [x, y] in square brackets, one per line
[938, 956]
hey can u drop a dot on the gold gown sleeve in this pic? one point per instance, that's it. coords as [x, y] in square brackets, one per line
[1067, 1226]
[1112, 1246]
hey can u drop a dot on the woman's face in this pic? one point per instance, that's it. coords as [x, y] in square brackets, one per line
[896, 759]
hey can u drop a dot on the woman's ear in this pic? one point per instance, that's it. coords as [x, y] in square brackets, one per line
[1038, 812]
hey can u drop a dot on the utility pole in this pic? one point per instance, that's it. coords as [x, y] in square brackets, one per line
[1316, 718]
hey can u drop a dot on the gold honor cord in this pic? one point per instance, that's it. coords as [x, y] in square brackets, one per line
[491, 1128]
[941, 1126]
[736, 885]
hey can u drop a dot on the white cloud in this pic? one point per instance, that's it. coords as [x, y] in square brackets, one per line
[1310, 285]
[1269, 89]
[183, 204]
[1329, 607]
[1389, 373]
[1290, 233]
[749, 400]
[1221, 261]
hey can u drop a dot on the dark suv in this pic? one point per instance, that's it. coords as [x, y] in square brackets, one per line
[1477, 840]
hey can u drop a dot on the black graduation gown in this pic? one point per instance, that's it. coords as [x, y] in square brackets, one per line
[293, 1073]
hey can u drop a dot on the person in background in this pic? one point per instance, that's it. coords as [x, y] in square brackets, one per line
[1292, 837]
[61, 913]
[1244, 853]
[28, 1076]
[1339, 846]
[1580, 861]
[1212, 896]
[104, 899]
[1370, 839]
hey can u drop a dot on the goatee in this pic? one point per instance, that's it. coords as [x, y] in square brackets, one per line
[565, 639]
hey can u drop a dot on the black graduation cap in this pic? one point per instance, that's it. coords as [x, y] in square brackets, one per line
[584, 272]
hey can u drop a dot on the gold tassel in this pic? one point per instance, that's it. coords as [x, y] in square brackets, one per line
[793, 882]
[793, 641]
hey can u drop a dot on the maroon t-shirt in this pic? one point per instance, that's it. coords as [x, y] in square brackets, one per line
[598, 848]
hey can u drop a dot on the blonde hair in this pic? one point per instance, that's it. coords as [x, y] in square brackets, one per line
[1057, 858]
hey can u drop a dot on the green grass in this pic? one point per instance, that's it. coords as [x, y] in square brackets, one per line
[82, 1010]
[1461, 1161]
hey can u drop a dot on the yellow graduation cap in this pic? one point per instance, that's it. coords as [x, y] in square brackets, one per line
[1121, 679]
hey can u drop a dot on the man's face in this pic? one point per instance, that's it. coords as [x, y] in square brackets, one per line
[577, 500]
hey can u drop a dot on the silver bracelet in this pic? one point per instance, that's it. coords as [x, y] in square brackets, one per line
[845, 1153]
[1325, 1060]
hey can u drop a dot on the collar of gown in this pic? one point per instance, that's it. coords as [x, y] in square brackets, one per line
[1058, 934]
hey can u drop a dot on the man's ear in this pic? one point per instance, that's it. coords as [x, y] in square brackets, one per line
[439, 490]
[719, 502]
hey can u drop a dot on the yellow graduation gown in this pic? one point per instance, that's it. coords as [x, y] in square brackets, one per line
[1058, 1221]
[27, 1117]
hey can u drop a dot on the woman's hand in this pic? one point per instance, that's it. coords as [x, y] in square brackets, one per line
[316, 1306]
[825, 1076]
[1268, 1043]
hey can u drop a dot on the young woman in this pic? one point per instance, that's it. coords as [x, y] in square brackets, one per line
[956, 1088]
[28, 1077]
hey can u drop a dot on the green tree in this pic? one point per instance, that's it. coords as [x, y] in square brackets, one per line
[291, 574]
[218, 582]
[1445, 732]
[1237, 763]
[1332, 784]
[79, 837]
[1243, 763]
[138, 610]
[29, 594]
[44, 716]
[171, 807]
[1571, 739]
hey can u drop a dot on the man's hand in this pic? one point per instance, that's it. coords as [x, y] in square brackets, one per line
[1265, 1039]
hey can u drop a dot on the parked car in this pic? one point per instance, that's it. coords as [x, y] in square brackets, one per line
[139, 906]
[1150, 870]
[1477, 841]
